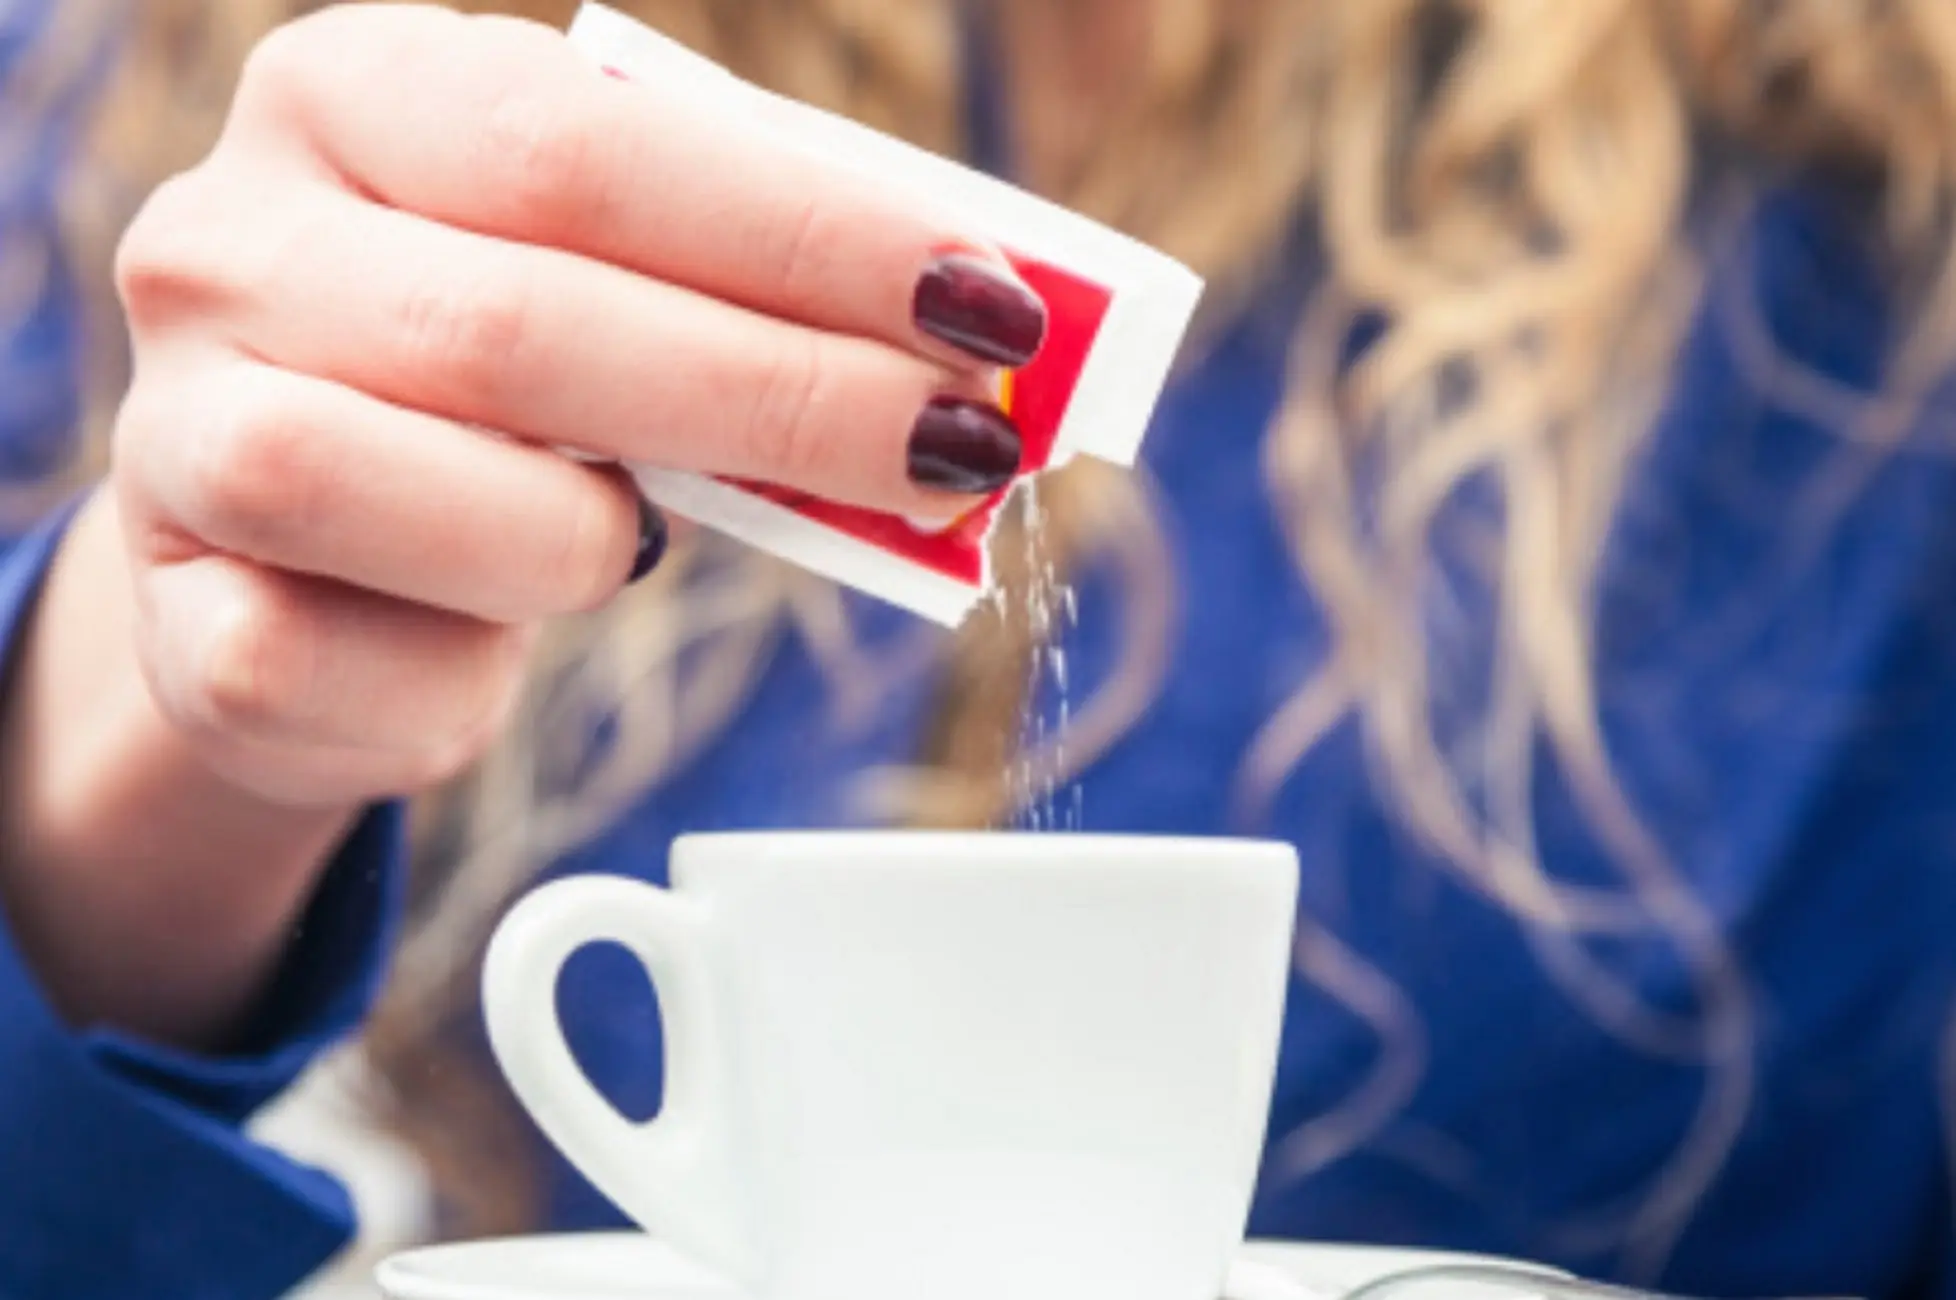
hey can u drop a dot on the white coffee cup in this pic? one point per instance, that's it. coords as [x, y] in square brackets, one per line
[928, 1066]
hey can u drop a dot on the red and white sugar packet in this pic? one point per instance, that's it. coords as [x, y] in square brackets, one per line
[1117, 311]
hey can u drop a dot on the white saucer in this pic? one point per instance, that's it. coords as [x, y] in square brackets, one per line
[632, 1266]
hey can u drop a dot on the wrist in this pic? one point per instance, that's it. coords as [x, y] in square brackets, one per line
[146, 890]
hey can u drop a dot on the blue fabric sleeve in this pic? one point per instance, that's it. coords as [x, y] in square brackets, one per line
[123, 1167]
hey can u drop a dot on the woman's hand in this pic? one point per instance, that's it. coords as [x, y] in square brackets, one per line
[427, 250]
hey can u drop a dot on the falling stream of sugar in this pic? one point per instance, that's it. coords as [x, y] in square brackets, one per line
[1051, 611]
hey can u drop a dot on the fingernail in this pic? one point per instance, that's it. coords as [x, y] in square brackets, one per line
[653, 534]
[928, 526]
[971, 304]
[963, 446]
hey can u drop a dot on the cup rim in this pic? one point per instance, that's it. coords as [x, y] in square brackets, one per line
[1049, 849]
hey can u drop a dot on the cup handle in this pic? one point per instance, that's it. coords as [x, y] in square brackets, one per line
[668, 1172]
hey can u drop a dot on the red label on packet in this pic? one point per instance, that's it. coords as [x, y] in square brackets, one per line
[1036, 397]
[1116, 313]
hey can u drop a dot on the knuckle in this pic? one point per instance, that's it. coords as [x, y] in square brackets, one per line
[471, 334]
[310, 60]
[254, 474]
[547, 158]
[165, 255]
[784, 416]
[209, 241]
[296, 64]
[794, 257]
[280, 63]
[248, 671]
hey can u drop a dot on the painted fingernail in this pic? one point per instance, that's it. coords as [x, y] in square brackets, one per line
[932, 526]
[973, 305]
[963, 446]
[653, 535]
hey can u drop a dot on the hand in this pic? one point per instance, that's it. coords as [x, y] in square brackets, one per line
[429, 249]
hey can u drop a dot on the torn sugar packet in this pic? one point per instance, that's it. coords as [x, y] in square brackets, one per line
[1117, 311]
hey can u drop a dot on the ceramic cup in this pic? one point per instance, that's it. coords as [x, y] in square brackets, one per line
[954, 1066]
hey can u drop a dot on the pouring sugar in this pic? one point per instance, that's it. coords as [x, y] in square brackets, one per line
[1117, 312]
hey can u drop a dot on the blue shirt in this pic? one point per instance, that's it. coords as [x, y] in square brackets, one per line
[1783, 714]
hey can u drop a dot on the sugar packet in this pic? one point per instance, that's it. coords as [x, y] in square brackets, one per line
[1117, 312]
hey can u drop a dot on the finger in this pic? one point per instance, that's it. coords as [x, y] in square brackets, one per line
[562, 350]
[238, 650]
[321, 776]
[500, 126]
[314, 477]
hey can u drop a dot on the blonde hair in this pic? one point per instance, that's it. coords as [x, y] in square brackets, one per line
[1504, 185]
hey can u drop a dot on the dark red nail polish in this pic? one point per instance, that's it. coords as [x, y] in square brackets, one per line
[653, 535]
[973, 305]
[964, 446]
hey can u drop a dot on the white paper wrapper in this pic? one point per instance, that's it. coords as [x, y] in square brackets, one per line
[1140, 322]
